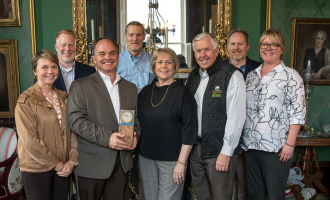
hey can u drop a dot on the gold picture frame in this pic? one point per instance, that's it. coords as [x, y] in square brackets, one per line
[9, 13]
[33, 29]
[9, 78]
[268, 13]
[303, 44]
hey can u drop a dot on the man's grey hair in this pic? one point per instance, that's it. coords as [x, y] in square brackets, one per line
[238, 30]
[201, 36]
[324, 35]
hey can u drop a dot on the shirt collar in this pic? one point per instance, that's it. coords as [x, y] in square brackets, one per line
[72, 68]
[279, 68]
[202, 73]
[107, 78]
[128, 55]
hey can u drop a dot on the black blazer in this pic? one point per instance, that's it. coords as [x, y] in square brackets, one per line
[250, 65]
[81, 70]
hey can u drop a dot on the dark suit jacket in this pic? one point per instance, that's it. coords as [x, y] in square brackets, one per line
[250, 65]
[81, 70]
[92, 117]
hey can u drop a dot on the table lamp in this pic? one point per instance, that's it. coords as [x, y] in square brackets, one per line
[308, 75]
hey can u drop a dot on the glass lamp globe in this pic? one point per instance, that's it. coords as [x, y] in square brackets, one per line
[308, 74]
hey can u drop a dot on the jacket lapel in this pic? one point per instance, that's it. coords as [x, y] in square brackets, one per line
[77, 72]
[102, 89]
[59, 83]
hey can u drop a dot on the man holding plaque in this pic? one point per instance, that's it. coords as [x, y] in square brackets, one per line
[94, 107]
[219, 90]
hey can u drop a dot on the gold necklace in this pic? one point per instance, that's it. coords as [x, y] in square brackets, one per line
[152, 94]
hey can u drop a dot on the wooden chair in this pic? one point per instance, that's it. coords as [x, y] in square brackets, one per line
[11, 185]
[307, 193]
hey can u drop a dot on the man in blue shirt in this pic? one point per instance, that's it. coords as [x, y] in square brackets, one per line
[134, 63]
[238, 46]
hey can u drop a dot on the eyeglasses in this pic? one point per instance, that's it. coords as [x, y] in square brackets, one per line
[272, 46]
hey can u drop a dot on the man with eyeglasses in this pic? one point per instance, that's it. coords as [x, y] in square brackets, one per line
[238, 46]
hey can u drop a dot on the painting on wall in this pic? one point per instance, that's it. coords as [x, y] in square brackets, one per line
[9, 78]
[9, 13]
[310, 43]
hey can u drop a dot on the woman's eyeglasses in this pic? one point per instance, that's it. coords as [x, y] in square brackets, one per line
[272, 46]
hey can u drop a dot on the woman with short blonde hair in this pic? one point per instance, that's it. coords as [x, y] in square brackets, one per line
[275, 111]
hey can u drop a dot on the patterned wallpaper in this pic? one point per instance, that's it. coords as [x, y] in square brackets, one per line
[23, 35]
[282, 12]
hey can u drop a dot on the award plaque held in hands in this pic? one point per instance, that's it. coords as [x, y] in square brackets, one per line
[126, 125]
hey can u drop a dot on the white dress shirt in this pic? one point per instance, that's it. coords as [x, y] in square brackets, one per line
[235, 109]
[113, 91]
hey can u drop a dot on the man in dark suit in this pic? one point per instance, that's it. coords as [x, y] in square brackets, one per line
[238, 46]
[93, 109]
[70, 68]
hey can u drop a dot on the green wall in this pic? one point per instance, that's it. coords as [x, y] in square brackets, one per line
[251, 16]
[51, 17]
[23, 35]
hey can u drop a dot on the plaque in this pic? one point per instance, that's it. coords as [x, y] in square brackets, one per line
[126, 125]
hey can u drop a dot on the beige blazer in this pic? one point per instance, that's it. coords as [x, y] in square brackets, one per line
[92, 117]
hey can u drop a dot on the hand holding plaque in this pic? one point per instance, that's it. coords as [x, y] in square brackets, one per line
[126, 125]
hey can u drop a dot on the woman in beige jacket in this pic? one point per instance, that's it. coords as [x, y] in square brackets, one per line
[47, 149]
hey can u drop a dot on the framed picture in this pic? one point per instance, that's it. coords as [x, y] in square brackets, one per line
[9, 13]
[309, 42]
[9, 78]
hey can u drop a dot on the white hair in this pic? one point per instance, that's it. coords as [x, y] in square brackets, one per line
[201, 36]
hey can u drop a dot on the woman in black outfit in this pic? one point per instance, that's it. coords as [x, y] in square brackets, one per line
[168, 119]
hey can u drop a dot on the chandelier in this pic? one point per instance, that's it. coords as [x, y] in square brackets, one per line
[156, 28]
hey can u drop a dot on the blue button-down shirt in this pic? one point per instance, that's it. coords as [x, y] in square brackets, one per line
[136, 70]
[242, 67]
